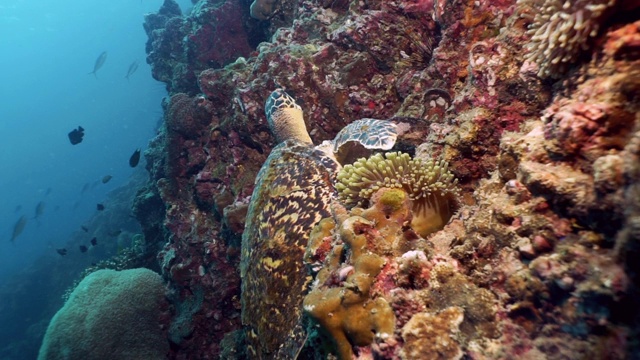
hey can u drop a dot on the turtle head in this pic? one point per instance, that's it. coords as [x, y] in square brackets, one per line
[285, 118]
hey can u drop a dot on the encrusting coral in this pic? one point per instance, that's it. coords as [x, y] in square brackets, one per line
[440, 330]
[350, 312]
[374, 276]
[430, 185]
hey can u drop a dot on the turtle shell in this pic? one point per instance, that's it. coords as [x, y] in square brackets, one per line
[293, 192]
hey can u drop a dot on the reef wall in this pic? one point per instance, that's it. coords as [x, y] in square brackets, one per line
[536, 113]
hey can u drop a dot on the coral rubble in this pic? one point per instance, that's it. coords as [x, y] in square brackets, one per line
[539, 259]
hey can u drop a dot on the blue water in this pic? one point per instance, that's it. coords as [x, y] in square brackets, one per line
[46, 50]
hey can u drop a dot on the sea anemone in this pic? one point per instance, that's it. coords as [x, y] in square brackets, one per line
[560, 30]
[430, 186]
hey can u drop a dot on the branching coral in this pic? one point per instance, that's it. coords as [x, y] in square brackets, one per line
[560, 30]
[430, 185]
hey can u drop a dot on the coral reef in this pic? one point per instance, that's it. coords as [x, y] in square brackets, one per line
[432, 336]
[539, 259]
[349, 312]
[561, 30]
[211, 36]
[379, 279]
[111, 314]
[429, 185]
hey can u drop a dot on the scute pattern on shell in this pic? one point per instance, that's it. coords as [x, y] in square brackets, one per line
[292, 194]
[278, 100]
[370, 133]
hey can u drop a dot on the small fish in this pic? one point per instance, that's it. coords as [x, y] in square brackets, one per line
[100, 207]
[39, 210]
[99, 62]
[18, 227]
[18, 208]
[62, 251]
[135, 158]
[86, 229]
[47, 192]
[94, 241]
[85, 188]
[76, 135]
[132, 68]
[83, 248]
[106, 179]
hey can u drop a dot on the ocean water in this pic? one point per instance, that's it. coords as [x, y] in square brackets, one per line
[47, 50]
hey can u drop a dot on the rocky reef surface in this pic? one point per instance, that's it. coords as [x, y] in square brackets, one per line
[536, 114]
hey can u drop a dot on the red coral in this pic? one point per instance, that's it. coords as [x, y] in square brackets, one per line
[221, 38]
[187, 115]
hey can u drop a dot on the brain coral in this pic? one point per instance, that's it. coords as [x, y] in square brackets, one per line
[560, 30]
[110, 315]
[430, 185]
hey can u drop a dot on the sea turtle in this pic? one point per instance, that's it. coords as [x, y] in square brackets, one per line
[293, 192]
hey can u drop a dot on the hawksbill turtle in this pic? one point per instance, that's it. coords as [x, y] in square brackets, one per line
[293, 192]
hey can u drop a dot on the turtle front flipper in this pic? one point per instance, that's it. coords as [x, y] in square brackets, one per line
[359, 138]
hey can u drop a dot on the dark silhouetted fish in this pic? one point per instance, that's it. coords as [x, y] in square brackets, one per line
[99, 62]
[18, 208]
[39, 210]
[62, 251]
[19, 227]
[132, 68]
[75, 136]
[85, 188]
[135, 158]
[106, 179]
[86, 229]
[100, 207]
[47, 192]
[83, 248]
[94, 241]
